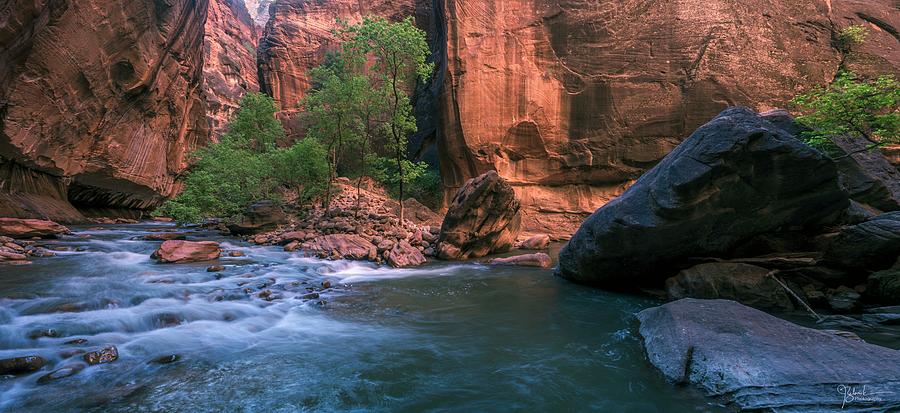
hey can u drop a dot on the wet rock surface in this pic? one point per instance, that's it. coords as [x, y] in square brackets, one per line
[759, 362]
[187, 251]
[107, 354]
[30, 228]
[21, 365]
[62, 372]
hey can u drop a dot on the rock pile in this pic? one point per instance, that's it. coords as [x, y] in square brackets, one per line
[370, 232]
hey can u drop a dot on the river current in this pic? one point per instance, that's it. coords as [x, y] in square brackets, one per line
[444, 337]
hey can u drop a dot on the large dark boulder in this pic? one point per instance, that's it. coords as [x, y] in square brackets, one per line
[748, 284]
[868, 175]
[884, 286]
[871, 245]
[759, 362]
[259, 217]
[483, 219]
[736, 177]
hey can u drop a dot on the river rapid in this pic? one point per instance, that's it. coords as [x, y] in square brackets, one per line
[444, 337]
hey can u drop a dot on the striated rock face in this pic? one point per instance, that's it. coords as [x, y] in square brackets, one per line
[99, 102]
[874, 244]
[299, 33]
[571, 100]
[229, 55]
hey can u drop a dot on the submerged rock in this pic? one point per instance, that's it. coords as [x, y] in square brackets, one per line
[175, 251]
[164, 236]
[483, 219]
[539, 260]
[107, 354]
[843, 299]
[20, 365]
[759, 362]
[30, 228]
[736, 177]
[747, 284]
[62, 372]
[168, 359]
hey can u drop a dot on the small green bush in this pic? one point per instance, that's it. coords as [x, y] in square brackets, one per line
[303, 167]
[851, 37]
[245, 167]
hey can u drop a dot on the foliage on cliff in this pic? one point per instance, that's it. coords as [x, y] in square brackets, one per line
[864, 109]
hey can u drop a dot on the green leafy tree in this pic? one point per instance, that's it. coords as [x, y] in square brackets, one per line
[255, 126]
[304, 167]
[329, 109]
[863, 109]
[230, 175]
[393, 57]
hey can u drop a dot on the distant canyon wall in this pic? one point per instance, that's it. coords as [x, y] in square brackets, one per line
[299, 34]
[229, 60]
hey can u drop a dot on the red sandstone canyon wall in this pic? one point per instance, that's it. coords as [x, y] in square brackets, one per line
[571, 100]
[229, 60]
[101, 98]
[102, 102]
[298, 35]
